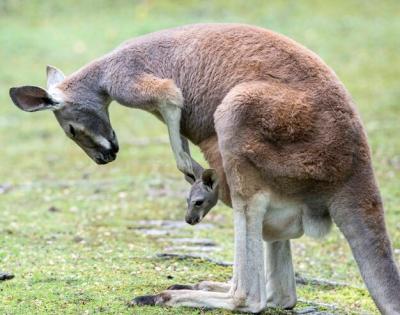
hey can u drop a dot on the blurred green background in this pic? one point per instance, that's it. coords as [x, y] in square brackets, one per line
[84, 258]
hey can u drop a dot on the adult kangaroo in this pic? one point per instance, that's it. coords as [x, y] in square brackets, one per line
[268, 114]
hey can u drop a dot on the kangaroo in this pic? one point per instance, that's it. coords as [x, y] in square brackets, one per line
[270, 115]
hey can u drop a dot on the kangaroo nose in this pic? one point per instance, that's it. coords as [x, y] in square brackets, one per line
[114, 142]
[114, 146]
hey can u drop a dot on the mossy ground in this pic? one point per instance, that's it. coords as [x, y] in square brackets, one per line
[84, 258]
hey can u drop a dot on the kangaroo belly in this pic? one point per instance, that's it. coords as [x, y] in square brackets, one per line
[286, 220]
[283, 221]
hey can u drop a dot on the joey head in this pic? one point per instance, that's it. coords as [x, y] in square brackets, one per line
[203, 196]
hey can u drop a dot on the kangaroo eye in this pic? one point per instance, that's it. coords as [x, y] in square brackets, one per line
[72, 130]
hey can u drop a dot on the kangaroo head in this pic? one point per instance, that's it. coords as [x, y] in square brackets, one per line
[80, 108]
[203, 196]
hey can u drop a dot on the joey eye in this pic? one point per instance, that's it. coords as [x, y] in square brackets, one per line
[72, 130]
[198, 203]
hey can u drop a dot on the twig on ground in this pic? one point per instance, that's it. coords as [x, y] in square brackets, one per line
[183, 257]
[5, 276]
[331, 307]
[322, 282]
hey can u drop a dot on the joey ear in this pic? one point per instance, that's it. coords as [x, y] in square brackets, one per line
[54, 76]
[190, 179]
[210, 178]
[31, 98]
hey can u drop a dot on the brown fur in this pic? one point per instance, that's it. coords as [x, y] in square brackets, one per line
[157, 90]
[269, 116]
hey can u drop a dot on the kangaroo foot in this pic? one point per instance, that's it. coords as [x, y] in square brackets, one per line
[204, 286]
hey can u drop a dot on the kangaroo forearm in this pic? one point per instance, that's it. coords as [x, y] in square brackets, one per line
[164, 99]
[197, 168]
[171, 115]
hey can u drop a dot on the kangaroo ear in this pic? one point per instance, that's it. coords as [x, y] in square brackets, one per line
[54, 76]
[31, 98]
[210, 178]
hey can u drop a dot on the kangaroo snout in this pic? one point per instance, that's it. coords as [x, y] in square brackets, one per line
[108, 152]
[114, 142]
[107, 155]
[114, 146]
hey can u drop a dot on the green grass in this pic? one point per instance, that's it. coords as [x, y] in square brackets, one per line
[84, 258]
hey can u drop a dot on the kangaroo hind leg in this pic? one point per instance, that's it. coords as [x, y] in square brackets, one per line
[204, 286]
[270, 120]
[279, 274]
[358, 212]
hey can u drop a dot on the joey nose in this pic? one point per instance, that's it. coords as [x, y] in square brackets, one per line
[192, 220]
